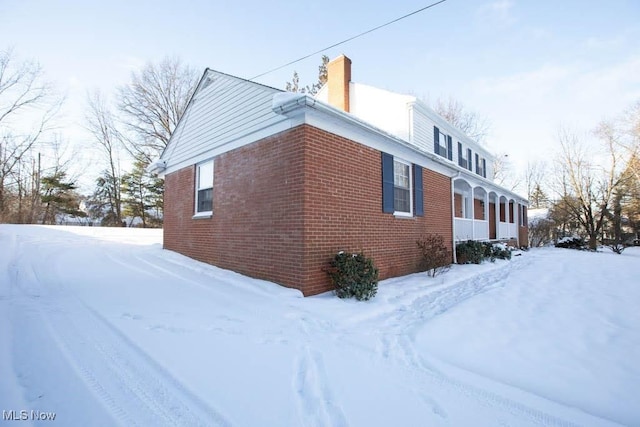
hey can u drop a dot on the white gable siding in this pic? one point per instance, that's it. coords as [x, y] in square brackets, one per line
[224, 109]
[421, 130]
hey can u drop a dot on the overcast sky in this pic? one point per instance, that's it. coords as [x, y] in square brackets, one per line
[528, 66]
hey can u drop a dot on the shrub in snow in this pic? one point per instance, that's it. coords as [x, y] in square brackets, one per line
[354, 275]
[571, 243]
[470, 252]
[540, 232]
[495, 251]
[436, 258]
[474, 252]
[617, 247]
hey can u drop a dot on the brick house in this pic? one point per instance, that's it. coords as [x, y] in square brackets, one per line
[272, 184]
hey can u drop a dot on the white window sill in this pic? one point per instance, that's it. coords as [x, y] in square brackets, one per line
[202, 215]
[404, 215]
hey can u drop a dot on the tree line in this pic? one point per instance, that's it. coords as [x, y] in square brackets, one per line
[589, 190]
[131, 127]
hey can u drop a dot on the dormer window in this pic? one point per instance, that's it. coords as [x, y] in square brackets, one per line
[464, 157]
[481, 166]
[442, 144]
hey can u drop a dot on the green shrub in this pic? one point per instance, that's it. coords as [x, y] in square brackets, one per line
[470, 252]
[474, 252]
[571, 243]
[354, 275]
[499, 251]
[436, 258]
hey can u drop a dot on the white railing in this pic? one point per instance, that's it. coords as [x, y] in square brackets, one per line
[513, 230]
[503, 230]
[464, 229]
[481, 229]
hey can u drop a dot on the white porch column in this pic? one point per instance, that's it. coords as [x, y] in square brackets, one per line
[507, 217]
[486, 206]
[473, 216]
[498, 197]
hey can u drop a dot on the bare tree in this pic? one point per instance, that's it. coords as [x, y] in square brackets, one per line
[152, 103]
[294, 84]
[535, 177]
[101, 124]
[503, 173]
[469, 122]
[585, 185]
[630, 140]
[25, 97]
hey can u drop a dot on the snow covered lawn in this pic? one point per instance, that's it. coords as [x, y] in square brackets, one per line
[103, 327]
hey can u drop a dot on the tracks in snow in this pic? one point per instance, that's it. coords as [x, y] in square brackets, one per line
[399, 348]
[316, 404]
[132, 386]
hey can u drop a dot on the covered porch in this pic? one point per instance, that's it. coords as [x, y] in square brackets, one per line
[482, 213]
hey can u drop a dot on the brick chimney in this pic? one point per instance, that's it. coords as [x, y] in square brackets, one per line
[338, 78]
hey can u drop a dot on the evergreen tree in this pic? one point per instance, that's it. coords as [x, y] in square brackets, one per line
[143, 195]
[104, 203]
[59, 197]
[538, 198]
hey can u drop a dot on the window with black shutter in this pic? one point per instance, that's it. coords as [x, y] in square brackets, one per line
[401, 187]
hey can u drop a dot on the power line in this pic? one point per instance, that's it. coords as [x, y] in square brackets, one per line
[350, 38]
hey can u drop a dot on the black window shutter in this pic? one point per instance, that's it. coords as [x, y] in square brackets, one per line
[417, 189]
[484, 168]
[460, 153]
[477, 163]
[469, 158]
[387, 183]
[436, 140]
[449, 148]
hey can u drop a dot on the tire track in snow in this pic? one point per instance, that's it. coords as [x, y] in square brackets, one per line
[132, 385]
[135, 389]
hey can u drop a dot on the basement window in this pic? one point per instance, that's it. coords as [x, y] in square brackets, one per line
[204, 188]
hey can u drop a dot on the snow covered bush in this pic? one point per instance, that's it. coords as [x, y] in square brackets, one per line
[495, 251]
[436, 258]
[470, 252]
[354, 275]
[474, 252]
[571, 243]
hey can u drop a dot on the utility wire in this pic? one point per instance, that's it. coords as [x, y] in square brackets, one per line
[350, 38]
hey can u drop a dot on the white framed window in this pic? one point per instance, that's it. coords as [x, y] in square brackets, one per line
[402, 188]
[464, 157]
[443, 146]
[204, 188]
[481, 166]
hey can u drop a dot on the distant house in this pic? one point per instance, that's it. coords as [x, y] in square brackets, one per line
[272, 184]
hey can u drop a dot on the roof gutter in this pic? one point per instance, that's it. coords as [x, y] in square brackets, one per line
[291, 105]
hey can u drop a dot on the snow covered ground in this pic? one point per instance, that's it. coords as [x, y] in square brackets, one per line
[102, 327]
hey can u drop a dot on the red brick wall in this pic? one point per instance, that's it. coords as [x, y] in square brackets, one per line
[256, 228]
[457, 205]
[285, 205]
[523, 230]
[492, 220]
[478, 209]
[343, 210]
